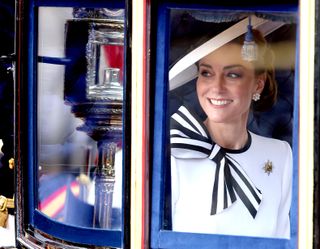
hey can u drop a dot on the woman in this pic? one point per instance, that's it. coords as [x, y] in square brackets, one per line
[226, 179]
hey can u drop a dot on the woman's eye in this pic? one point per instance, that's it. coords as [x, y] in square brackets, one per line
[233, 75]
[205, 73]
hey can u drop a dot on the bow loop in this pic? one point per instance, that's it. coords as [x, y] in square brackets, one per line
[189, 139]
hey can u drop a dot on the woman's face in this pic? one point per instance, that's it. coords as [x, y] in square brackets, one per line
[226, 84]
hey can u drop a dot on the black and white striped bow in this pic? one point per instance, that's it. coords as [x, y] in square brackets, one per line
[189, 139]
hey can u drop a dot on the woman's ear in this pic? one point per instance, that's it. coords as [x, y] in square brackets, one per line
[261, 80]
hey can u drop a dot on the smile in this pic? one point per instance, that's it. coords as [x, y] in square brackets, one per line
[219, 102]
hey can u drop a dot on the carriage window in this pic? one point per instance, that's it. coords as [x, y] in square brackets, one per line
[74, 98]
[80, 117]
[227, 167]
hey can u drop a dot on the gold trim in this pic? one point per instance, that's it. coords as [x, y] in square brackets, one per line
[11, 163]
[10, 203]
[3, 203]
[6, 203]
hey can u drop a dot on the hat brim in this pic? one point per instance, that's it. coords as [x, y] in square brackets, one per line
[186, 70]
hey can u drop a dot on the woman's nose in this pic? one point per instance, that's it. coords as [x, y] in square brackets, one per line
[218, 83]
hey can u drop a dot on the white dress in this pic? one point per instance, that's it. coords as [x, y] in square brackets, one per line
[192, 185]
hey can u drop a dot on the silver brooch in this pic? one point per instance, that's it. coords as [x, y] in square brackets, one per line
[268, 167]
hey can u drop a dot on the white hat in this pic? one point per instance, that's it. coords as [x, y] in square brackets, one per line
[186, 70]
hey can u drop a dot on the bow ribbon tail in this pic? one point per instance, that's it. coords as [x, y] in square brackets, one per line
[214, 202]
[245, 189]
[223, 194]
[228, 183]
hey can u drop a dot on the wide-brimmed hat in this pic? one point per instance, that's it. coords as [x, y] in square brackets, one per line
[186, 70]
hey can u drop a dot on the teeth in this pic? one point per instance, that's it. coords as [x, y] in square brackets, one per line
[219, 102]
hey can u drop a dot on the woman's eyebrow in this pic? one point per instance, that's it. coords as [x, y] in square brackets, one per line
[205, 65]
[233, 66]
[225, 68]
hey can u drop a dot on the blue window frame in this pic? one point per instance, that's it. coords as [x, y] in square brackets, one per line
[35, 219]
[161, 234]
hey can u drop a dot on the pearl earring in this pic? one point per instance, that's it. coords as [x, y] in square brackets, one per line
[256, 96]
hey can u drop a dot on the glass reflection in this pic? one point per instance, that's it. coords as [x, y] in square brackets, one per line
[105, 93]
[80, 117]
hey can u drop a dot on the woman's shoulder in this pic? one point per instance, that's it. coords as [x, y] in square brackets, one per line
[270, 143]
[277, 151]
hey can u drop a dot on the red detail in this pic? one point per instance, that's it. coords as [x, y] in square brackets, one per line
[114, 57]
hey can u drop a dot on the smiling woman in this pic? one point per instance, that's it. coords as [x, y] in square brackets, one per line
[225, 86]
[226, 179]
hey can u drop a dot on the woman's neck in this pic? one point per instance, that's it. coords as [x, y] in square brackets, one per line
[229, 136]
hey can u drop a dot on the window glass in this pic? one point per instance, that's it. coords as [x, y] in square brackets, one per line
[79, 118]
[229, 123]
